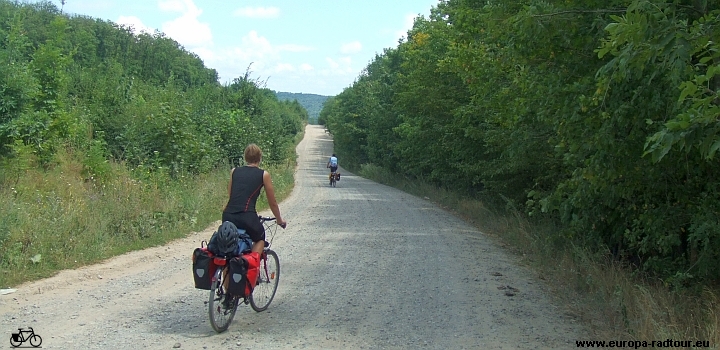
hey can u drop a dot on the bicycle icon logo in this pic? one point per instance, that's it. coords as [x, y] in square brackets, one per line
[24, 335]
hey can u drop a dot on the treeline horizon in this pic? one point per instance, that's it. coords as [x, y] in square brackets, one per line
[601, 116]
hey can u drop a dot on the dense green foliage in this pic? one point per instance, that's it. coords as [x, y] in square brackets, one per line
[116, 112]
[602, 115]
[311, 102]
[139, 98]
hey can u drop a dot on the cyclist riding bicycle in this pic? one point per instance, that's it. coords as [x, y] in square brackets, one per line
[333, 164]
[243, 191]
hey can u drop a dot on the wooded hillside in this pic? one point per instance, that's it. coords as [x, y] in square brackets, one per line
[601, 115]
[311, 102]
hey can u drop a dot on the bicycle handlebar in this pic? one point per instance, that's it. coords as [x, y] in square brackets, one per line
[267, 218]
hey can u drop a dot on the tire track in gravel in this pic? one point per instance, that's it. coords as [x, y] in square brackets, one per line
[363, 266]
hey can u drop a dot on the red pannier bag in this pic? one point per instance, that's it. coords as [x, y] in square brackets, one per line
[242, 274]
[253, 260]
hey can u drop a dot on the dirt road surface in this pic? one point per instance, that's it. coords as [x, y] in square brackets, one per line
[363, 266]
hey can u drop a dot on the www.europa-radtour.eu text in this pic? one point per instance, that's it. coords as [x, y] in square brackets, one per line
[638, 344]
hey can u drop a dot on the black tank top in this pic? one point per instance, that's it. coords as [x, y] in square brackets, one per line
[246, 184]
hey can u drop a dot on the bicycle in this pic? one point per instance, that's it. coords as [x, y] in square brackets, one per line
[333, 178]
[221, 310]
[16, 339]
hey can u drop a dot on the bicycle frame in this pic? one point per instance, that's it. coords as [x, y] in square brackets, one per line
[20, 335]
[263, 257]
[272, 228]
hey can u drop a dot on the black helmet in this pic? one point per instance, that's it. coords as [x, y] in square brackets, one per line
[227, 238]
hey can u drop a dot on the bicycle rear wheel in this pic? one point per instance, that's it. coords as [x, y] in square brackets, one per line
[221, 311]
[267, 283]
[14, 342]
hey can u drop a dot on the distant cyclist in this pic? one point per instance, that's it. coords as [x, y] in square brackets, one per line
[333, 163]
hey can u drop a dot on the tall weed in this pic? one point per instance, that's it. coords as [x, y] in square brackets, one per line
[64, 217]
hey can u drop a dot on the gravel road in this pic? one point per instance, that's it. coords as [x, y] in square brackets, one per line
[363, 266]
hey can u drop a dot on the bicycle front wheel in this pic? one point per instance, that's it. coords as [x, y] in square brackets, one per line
[267, 282]
[220, 310]
[35, 340]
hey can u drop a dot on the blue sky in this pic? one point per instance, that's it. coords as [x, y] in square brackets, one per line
[309, 46]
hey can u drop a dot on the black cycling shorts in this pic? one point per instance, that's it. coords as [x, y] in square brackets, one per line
[249, 222]
[333, 169]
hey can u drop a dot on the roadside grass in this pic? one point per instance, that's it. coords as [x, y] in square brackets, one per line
[613, 301]
[60, 218]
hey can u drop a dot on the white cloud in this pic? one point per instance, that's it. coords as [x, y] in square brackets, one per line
[90, 6]
[332, 63]
[253, 51]
[284, 67]
[189, 32]
[350, 48]
[135, 23]
[294, 48]
[186, 29]
[268, 62]
[256, 45]
[254, 48]
[205, 54]
[172, 5]
[257, 12]
[341, 66]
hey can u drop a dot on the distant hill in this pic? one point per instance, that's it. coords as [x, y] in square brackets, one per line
[313, 103]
